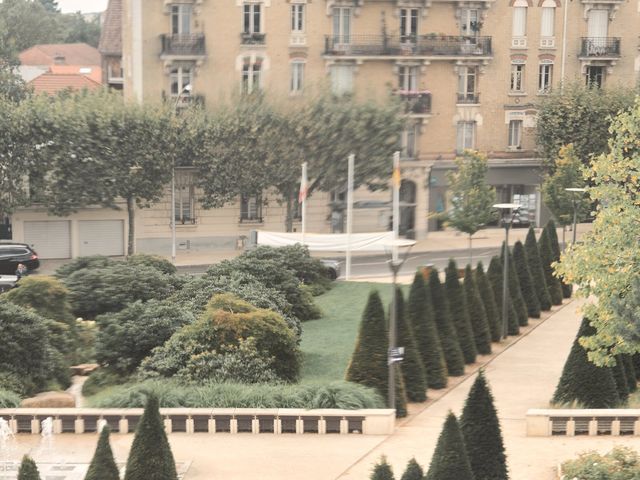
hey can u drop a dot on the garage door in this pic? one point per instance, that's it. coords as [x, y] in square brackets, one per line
[101, 237]
[51, 239]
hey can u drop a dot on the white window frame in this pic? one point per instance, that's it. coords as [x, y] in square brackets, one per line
[467, 75]
[184, 206]
[515, 134]
[468, 16]
[516, 84]
[251, 208]
[409, 24]
[341, 24]
[519, 24]
[296, 85]
[179, 77]
[252, 69]
[545, 77]
[249, 13]
[602, 75]
[548, 19]
[181, 17]
[408, 76]
[298, 17]
[465, 135]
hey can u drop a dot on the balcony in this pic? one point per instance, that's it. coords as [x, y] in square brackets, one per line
[468, 98]
[253, 38]
[183, 45]
[430, 45]
[415, 102]
[600, 47]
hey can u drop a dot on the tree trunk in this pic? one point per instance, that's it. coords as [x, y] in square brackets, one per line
[288, 221]
[131, 240]
[564, 234]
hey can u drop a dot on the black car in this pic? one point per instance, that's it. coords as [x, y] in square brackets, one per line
[11, 254]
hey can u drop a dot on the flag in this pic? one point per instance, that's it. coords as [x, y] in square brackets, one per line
[304, 184]
[395, 178]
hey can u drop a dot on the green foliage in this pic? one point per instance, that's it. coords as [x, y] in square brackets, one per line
[81, 263]
[477, 314]
[567, 289]
[583, 382]
[103, 465]
[150, 455]
[450, 458]
[546, 257]
[420, 315]
[46, 295]
[620, 377]
[489, 301]
[413, 471]
[28, 469]
[446, 330]
[159, 263]
[537, 271]
[382, 470]
[78, 29]
[101, 379]
[401, 393]
[482, 435]
[12, 87]
[460, 313]
[621, 463]
[630, 370]
[495, 277]
[515, 291]
[526, 280]
[412, 368]
[8, 398]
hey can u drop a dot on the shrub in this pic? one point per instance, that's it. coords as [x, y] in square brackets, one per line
[495, 276]
[620, 377]
[477, 314]
[546, 258]
[382, 470]
[413, 373]
[489, 301]
[537, 272]
[450, 459]
[101, 379]
[630, 371]
[12, 383]
[460, 313]
[567, 289]
[154, 261]
[526, 281]
[8, 398]
[413, 471]
[515, 291]
[621, 463]
[103, 466]
[28, 469]
[82, 263]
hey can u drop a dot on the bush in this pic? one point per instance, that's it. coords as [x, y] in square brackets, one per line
[382, 470]
[154, 261]
[546, 258]
[82, 263]
[526, 281]
[459, 312]
[515, 291]
[28, 469]
[537, 272]
[412, 368]
[495, 276]
[12, 383]
[567, 289]
[101, 379]
[450, 459]
[621, 463]
[103, 465]
[477, 314]
[489, 301]
[8, 398]
[413, 471]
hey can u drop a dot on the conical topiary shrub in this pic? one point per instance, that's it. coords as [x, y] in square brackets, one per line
[382, 470]
[28, 469]
[368, 365]
[635, 358]
[401, 393]
[620, 377]
[413, 373]
[420, 315]
[537, 272]
[546, 257]
[450, 460]
[631, 372]
[567, 290]
[582, 382]
[477, 314]
[495, 275]
[150, 455]
[446, 331]
[103, 466]
[482, 435]
[413, 471]
[460, 312]
[515, 292]
[489, 301]
[526, 281]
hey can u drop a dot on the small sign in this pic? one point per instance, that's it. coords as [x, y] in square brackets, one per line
[395, 355]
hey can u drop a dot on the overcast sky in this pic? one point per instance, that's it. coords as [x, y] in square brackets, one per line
[85, 6]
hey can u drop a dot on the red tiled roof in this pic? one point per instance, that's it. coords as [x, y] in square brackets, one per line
[73, 53]
[111, 35]
[94, 73]
[51, 83]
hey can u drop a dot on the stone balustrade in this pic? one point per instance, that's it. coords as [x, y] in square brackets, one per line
[572, 422]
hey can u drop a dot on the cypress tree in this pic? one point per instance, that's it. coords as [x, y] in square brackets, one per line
[401, 393]
[413, 373]
[555, 247]
[382, 470]
[103, 466]
[460, 312]
[150, 455]
[546, 257]
[420, 315]
[582, 381]
[631, 372]
[537, 272]
[526, 281]
[450, 460]
[494, 274]
[489, 301]
[446, 331]
[413, 472]
[515, 291]
[477, 314]
[482, 435]
[635, 358]
[28, 469]
[620, 377]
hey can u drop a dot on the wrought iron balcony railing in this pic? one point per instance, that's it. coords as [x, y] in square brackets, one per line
[600, 47]
[419, 45]
[189, 45]
[469, 98]
[416, 102]
[253, 38]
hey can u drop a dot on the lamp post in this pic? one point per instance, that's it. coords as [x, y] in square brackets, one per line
[574, 200]
[509, 211]
[394, 354]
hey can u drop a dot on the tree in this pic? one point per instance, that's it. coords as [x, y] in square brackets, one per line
[382, 470]
[446, 330]
[537, 272]
[482, 435]
[620, 377]
[28, 469]
[489, 301]
[150, 455]
[495, 276]
[515, 291]
[420, 315]
[583, 382]
[450, 458]
[471, 197]
[555, 247]
[50, 5]
[77, 29]
[546, 257]
[526, 280]
[477, 314]
[12, 87]
[413, 471]
[23, 24]
[103, 466]
[460, 313]
[630, 370]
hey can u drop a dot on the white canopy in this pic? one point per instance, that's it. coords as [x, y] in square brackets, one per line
[331, 242]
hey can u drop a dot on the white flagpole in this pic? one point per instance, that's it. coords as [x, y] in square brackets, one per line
[304, 200]
[396, 203]
[349, 212]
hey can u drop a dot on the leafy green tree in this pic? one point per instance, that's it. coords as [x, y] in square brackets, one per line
[489, 301]
[413, 471]
[482, 435]
[546, 257]
[620, 377]
[471, 197]
[23, 24]
[583, 382]
[50, 5]
[495, 276]
[630, 370]
[446, 329]
[150, 455]
[477, 314]
[526, 280]
[450, 458]
[412, 368]
[420, 315]
[77, 29]
[382, 470]
[555, 247]
[515, 291]
[460, 312]
[12, 87]
[537, 271]
[28, 469]
[103, 466]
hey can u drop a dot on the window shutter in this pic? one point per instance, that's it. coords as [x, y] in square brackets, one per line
[548, 20]
[519, 21]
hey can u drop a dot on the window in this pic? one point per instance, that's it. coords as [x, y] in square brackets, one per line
[297, 76]
[251, 208]
[466, 136]
[408, 142]
[252, 18]
[545, 76]
[180, 77]
[594, 76]
[408, 24]
[341, 25]
[341, 79]
[251, 75]
[548, 21]
[519, 28]
[408, 78]
[470, 22]
[181, 19]
[297, 18]
[517, 77]
[467, 85]
[515, 134]
[184, 210]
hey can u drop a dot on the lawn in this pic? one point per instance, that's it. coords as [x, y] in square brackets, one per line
[327, 343]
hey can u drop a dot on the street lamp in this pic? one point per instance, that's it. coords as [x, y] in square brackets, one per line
[574, 200]
[394, 354]
[509, 211]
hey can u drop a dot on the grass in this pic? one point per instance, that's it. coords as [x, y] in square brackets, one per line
[327, 343]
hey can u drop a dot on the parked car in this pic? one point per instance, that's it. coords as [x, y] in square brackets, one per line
[332, 266]
[7, 282]
[11, 254]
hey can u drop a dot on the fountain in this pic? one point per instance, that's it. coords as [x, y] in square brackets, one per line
[7, 445]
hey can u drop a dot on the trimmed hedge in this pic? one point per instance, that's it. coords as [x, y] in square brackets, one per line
[477, 314]
[489, 301]
[537, 272]
[460, 312]
[413, 372]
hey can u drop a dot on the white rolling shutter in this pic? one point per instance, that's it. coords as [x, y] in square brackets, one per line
[598, 23]
[101, 237]
[50, 239]
[548, 21]
[519, 21]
